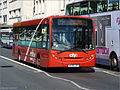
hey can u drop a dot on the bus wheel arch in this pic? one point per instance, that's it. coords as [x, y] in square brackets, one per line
[113, 61]
[38, 60]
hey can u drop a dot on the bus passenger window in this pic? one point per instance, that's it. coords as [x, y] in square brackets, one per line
[69, 10]
[38, 35]
[84, 7]
[76, 9]
[113, 5]
[102, 6]
[76, 13]
[93, 7]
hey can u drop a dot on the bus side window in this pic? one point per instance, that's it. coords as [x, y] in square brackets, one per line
[69, 10]
[15, 35]
[42, 37]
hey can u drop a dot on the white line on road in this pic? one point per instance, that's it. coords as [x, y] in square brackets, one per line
[107, 72]
[38, 70]
[21, 64]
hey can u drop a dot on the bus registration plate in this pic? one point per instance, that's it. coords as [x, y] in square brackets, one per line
[73, 65]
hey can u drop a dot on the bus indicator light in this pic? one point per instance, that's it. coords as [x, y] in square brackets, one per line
[53, 55]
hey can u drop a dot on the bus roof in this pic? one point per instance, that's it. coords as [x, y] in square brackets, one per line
[5, 26]
[28, 23]
[45, 21]
[5, 30]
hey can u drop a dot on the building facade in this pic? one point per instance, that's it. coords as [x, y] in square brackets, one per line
[20, 10]
[44, 8]
[12, 11]
[3, 12]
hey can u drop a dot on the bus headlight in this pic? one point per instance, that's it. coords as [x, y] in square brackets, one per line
[87, 58]
[53, 55]
[90, 57]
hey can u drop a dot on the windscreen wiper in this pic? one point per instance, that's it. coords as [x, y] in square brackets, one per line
[63, 51]
[84, 51]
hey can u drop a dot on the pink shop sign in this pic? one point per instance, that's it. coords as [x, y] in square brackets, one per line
[102, 51]
[118, 20]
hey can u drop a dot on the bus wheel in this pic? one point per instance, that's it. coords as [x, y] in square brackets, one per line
[2, 45]
[114, 62]
[19, 57]
[38, 61]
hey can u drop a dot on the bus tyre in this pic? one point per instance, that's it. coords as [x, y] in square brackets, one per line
[1, 45]
[38, 61]
[19, 56]
[114, 62]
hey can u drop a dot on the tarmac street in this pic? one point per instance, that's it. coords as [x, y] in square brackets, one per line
[16, 75]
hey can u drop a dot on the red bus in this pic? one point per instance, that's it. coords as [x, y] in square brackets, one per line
[60, 41]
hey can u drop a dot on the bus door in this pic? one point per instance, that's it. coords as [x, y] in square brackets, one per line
[44, 45]
[113, 40]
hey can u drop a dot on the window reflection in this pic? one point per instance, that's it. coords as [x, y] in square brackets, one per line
[23, 36]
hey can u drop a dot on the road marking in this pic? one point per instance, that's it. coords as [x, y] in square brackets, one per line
[107, 72]
[21, 64]
[38, 70]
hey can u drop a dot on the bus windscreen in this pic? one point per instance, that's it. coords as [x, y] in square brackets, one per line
[71, 34]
